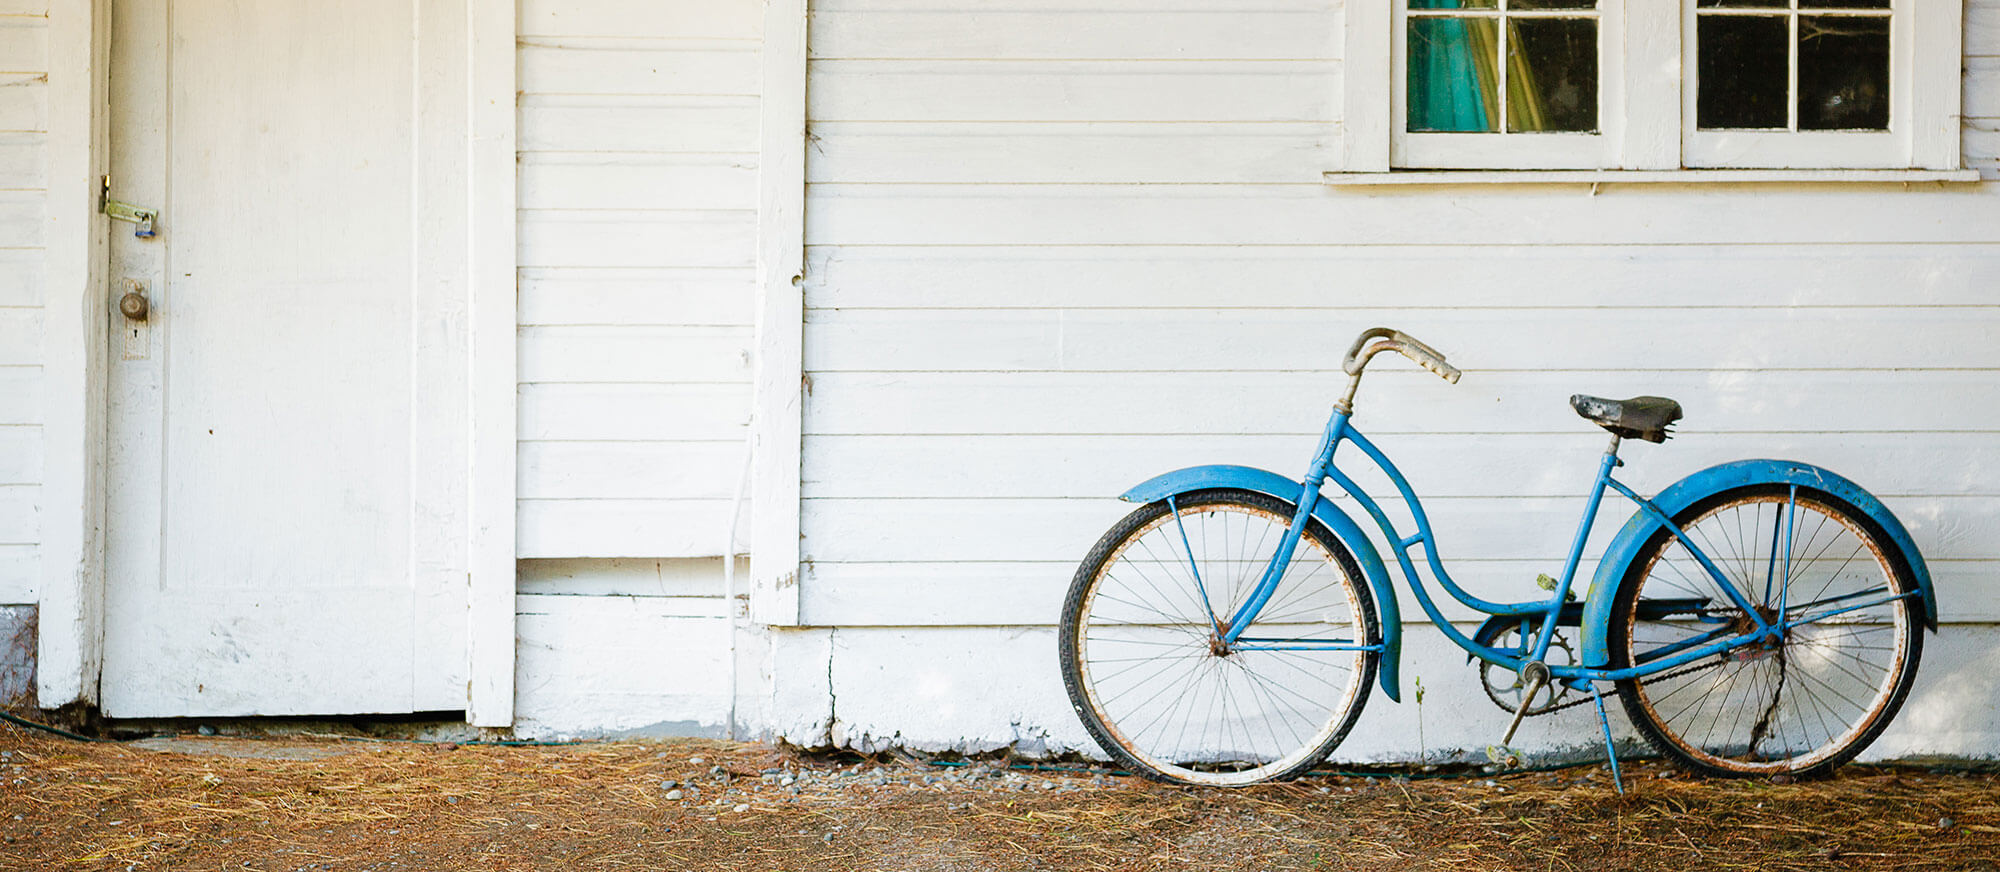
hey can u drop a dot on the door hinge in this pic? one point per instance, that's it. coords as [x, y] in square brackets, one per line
[141, 217]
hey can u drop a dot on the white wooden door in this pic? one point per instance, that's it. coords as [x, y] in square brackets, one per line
[286, 473]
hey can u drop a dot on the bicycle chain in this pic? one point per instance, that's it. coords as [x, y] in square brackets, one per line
[1661, 677]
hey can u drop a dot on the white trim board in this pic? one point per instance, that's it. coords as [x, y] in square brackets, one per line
[493, 375]
[1665, 177]
[776, 434]
[70, 649]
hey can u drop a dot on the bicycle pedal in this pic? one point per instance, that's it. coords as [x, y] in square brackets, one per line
[1505, 757]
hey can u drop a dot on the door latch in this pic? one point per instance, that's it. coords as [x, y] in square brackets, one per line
[141, 217]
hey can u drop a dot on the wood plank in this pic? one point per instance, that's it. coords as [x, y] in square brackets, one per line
[20, 514]
[1982, 87]
[1353, 278]
[1105, 5]
[493, 416]
[858, 90]
[20, 454]
[22, 165]
[23, 220]
[779, 377]
[21, 276]
[20, 335]
[1982, 29]
[24, 45]
[578, 65]
[663, 19]
[1031, 594]
[1527, 465]
[660, 125]
[637, 297]
[635, 354]
[598, 665]
[1392, 401]
[994, 153]
[626, 470]
[20, 573]
[909, 340]
[622, 528]
[551, 238]
[1280, 215]
[547, 604]
[1076, 33]
[1528, 528]
[632, 411]
[696, 577]
[711, 182]
[1476, 340]
[1982, 144]
[24, 104]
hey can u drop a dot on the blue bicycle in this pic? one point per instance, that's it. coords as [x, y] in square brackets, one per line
[1756, 618]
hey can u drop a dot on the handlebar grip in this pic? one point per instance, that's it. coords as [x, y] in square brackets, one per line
[1402, 343]
[1444, 370]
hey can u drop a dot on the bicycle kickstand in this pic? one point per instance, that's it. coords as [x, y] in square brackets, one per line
[1610, 749]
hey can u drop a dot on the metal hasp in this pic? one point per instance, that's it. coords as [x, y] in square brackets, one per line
[142, 218]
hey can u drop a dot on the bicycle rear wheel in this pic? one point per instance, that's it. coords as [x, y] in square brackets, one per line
[1151, 680]
[1802, 704]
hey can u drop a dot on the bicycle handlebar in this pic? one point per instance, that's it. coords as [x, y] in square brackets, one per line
[1386, 339]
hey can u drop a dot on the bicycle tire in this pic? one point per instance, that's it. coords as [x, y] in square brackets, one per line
[1799, 706]
[1143, 670]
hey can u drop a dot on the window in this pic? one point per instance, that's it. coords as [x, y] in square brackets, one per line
[1652, 84]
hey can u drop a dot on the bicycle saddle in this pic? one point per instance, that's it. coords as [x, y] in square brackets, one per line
[1637, 418]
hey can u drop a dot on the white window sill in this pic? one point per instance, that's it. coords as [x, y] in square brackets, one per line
[1622, 177]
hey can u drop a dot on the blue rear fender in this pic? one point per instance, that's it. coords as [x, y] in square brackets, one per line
[1330, 516]
[1707, 483]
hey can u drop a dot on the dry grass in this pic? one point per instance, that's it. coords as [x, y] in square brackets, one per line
[69, 805]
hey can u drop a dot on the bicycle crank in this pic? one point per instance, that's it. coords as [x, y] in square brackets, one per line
[1535, 674]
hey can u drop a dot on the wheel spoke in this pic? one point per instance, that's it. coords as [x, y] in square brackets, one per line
[1155, 686]
[1807, 699]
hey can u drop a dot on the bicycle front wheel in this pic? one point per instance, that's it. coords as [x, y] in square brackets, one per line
[1804, 702]
[1151, 678]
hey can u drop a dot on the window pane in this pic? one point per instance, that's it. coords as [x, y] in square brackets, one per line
[1553, 4]
[1743, 64]
[1843, 73]
[1454, 82]
[1741, 4]
[1552, 74]
[1843, 4]
[1454, 4]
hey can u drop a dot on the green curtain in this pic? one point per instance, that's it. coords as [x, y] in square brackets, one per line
[1446, 81]
[1454, 68]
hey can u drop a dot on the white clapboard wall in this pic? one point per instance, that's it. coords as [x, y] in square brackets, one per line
[638, 197]
[23, 180]
[1058, 246]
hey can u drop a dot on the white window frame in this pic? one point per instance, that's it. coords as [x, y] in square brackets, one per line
[1646, 120]
[1516, 150]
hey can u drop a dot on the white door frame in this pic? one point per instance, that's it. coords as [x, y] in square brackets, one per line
[75, 357]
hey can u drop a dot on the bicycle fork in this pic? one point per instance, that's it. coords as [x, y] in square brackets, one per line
[1309, 496]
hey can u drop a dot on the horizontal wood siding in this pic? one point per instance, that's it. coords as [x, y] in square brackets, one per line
[638, 175]
[23, 184]
[1056, 248]
[1982, 91]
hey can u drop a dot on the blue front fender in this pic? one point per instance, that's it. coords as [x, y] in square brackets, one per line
[1330, 516]
[1706, 483]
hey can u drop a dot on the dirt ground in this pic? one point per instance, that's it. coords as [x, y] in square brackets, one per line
[328, 804]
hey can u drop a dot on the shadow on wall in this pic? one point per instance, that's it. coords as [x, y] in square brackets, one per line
[17, 656]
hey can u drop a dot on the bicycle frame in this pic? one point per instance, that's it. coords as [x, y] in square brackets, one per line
[1543, 616]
